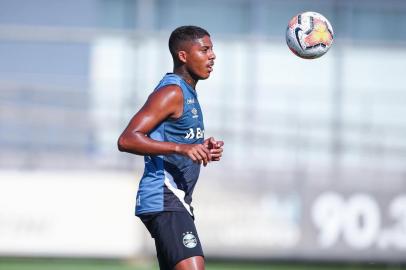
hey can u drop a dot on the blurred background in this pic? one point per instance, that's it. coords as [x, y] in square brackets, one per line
[314, 168]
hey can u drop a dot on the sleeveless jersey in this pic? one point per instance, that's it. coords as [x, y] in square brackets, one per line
[168, 180]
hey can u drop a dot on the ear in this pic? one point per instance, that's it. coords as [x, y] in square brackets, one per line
[182, 55]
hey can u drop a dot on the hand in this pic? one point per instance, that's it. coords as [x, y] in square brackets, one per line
[199, 153]
[215, 148]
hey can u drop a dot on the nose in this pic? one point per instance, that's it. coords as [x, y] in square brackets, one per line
[212, 55]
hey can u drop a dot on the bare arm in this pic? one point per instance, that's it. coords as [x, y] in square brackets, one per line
[162, 104]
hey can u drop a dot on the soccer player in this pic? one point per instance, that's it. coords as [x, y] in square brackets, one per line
[168, 130]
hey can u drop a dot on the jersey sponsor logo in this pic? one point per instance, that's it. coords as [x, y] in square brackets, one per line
[189, 240]
[191, 133]
[190, 101]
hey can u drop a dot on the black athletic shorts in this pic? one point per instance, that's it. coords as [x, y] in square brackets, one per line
[175, 237]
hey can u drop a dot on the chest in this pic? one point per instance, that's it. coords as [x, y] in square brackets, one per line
[189, 127]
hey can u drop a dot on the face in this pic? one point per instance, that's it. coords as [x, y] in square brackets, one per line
[200, 58]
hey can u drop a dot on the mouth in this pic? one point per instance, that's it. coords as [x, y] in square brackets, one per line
[210, 66]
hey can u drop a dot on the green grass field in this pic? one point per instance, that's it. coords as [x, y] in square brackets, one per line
[64, 264]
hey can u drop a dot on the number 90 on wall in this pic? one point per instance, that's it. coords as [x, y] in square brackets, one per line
[357, 220]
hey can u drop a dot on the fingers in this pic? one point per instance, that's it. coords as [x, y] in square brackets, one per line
[216, 149]
[210, 150]
[199, 154]
[210, 143]
[219, 144]
[216, 154]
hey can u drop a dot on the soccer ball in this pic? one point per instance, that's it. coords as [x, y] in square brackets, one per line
[309, 35]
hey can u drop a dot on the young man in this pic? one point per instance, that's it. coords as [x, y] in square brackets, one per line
[169, 132]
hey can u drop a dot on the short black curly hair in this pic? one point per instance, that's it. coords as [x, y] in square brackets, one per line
[182, 34]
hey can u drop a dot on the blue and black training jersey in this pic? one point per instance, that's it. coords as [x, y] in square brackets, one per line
[168, 180]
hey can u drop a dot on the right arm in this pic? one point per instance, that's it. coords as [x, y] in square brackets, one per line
[162, 104]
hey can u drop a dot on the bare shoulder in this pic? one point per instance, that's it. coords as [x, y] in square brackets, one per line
[171, 91]
[169, 99]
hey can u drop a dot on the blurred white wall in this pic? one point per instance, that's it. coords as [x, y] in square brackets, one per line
[69, 214]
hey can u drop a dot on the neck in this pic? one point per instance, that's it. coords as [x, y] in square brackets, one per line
[186, 76]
